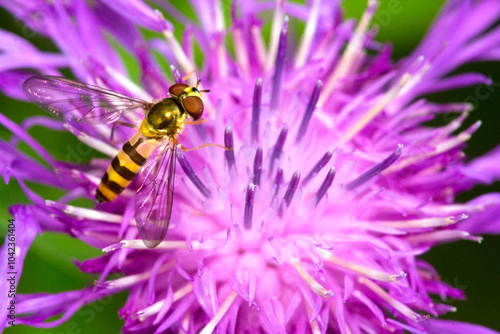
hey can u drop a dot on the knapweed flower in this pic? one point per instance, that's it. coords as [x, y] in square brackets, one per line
[315, 221]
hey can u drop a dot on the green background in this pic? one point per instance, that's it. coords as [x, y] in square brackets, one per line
[467, 265]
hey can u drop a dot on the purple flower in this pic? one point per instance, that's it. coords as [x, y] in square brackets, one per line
[316, 220]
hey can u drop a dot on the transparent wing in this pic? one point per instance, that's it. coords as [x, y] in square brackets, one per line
[155, 195]
[79, 102]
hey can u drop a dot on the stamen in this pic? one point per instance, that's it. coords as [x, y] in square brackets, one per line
[186, 320]
[278, 180]
[188, 170]
[313, 322]
[453, 126]
[308, 35]
[228, 142]
[279, 65]
[240, 47]
[311, 105]
[353, 54]
[446, 108]
[129, 85]
[210, 327]
[129, 280]
[257, 98]
[252, 287]
[259, 45]
[156, 307]
[275, 34]
[400, 307]
[424, 222]
[180, 55]
[355, 268]
[257, 166]
[325, 185]
[176, 74]
[123, 282]
[222, 64]
[220, 22]
[406, 81]
[439, 149]
[443, 236]
[82, 213]
[292, 187]
[377, 169]
[375, 110]
[438, 209]
[249, 199]
[139, 244]
[290, 191]
[278, 147]
[318, 167]
[310, 281]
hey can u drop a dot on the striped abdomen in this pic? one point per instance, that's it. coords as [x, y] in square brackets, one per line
[124, 167]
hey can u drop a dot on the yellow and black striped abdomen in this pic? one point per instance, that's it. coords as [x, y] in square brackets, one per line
[124, 167]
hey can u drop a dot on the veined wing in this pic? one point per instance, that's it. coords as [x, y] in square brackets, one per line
[155, 195]
[79, 102]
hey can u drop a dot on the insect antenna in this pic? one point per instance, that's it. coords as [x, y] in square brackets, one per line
[201, 91]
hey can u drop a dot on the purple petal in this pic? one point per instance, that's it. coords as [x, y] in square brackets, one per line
[487, 219]
[454, 327]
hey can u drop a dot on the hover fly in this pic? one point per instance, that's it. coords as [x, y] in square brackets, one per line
[156, 137]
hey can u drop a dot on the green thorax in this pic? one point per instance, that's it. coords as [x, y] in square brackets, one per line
[165, 118]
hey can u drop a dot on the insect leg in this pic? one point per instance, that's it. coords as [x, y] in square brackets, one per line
[184, 78]
[205, 145]
[200, 121]
[130, 125]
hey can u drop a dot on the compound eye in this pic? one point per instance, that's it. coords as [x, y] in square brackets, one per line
[177, 89]
[193, 106]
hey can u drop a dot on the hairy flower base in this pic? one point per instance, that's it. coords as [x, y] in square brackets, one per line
[315, 220]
